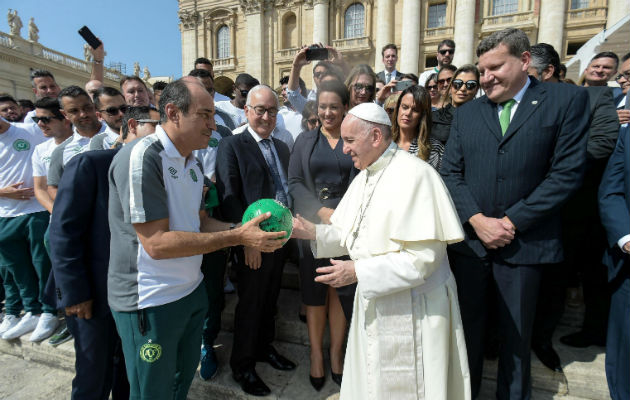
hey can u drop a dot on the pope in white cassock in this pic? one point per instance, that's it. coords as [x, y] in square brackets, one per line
[406, 339]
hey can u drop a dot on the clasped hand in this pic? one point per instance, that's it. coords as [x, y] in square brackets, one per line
[493, 232]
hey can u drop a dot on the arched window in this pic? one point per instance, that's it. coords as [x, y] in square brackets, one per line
[223, 42]
[289, 32]
[354, 21]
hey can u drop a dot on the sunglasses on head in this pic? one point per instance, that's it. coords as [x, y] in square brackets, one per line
[45, 120]
[115, 110]
[444, 51]
[470, 85]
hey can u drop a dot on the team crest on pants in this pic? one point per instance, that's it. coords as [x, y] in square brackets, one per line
[150, 352]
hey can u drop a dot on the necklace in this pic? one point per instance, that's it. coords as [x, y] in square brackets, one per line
[362, 211]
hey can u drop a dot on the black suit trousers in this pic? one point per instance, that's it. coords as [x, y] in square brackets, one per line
[100, 364]
[254, 318]
[516, 294]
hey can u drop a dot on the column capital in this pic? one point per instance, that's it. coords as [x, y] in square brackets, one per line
[189, 19]
[252, 6]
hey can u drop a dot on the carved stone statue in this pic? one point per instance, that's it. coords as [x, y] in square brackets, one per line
[15, 23]
[33, 31]
[136, 68]
[146, 74]
[87, 54]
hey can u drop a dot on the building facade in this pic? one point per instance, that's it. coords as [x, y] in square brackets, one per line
[261, 37]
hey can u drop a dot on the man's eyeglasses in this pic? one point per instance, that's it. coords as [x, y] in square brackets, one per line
[445, 81]
[625, 74]
[115, 110]
[449, 51]
[432, 87]
[470, 85]
[260, 111]
[45, 120]
[358, 87]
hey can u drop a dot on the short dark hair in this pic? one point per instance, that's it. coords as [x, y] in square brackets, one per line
[449, 67]
[105, 91]
[4, 97]
[516, 41]
[131, 78]
[447, 42]
[607, 54]
[73, 92]
[140, 112]
[202, 60]
[40, 73]
[247, 80]
[176, 93]
[201, 73]
[389, 46]
[51, 105]
[337, 88]
[563, 68]
[625, 57]
[26, 103]
[323, 63]
[159, 85]
[543, 55]
[284, 80]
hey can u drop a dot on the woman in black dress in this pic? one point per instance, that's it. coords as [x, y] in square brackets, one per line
[319, 174]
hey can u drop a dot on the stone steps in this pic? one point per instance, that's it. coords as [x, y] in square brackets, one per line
[583, 376]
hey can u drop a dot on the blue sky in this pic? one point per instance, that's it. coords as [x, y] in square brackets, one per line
[131, 30]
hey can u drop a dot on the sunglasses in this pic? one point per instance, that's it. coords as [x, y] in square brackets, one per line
[115, 110]
[431, 87]
[313, 121]
[445, 81]
[45, 120]
[445, 51]
[470, 85]
[625, 74]
[358, 87]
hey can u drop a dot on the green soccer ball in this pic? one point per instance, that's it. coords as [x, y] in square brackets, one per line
[280, 220]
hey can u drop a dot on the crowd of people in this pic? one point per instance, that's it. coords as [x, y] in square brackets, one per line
[439, 220]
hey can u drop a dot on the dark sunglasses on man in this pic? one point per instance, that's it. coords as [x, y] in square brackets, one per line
[115, 110]
[470, 85]
[45, 120]
[449, 51]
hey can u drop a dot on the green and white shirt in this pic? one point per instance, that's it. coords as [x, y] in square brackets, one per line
[149, 180]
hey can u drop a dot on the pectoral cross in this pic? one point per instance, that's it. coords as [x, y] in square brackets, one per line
[355, 234]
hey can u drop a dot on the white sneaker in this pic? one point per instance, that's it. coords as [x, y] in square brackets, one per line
[8, 322]
[45, 327]
[26, 324]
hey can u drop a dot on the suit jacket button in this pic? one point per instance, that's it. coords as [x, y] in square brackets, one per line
[501, 151]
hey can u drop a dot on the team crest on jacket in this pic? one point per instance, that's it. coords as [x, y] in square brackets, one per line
[150, 352]
[213, 142]
[21, 145]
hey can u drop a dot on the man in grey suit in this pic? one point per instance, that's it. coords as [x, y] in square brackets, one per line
[513, 159]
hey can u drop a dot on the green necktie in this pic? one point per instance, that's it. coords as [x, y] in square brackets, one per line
[504, 118]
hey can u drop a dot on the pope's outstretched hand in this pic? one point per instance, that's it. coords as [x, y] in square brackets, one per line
[303, 229]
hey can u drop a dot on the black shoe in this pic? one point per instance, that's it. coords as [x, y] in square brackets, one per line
[317, 383]
[582, 339]
[251, 383]
[336, 377]
[276, 361]
[548, 356]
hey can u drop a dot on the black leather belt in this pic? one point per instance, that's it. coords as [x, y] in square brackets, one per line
[329, 192]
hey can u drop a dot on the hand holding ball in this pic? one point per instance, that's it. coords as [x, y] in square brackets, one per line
[280, 220]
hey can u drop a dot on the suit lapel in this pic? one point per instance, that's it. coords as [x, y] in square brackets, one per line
[489, 115]
[254, 149]
[532, 100]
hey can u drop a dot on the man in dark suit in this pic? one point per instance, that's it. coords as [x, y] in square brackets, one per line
[614, 208]
[584, 240]
[513, 158]
[79, 251]
[250, 166]
[390, 58]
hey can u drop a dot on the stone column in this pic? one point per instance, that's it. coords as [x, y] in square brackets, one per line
[384, 32]
[254, 46]
[464, 35]
[410, 43]
[617, 9]
[320, 22]
[551, 25]
[188, 27]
